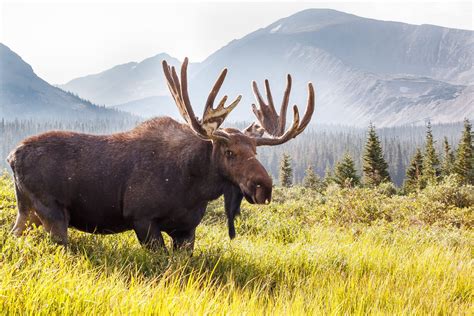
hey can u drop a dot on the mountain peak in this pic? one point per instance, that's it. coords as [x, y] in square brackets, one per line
[161, 56]
[310, 20]
[322, 13]
[157, 59]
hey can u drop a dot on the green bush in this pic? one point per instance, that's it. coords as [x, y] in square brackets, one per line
[387, 188]
[450, 192]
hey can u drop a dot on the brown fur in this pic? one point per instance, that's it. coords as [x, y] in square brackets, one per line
[157, 177]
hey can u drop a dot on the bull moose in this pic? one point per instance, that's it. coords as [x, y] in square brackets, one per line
[157, 177]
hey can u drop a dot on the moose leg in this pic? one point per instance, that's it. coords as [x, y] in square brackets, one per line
[25, 216]
[21, 224]
[55, 219]
[183, 239]
[23, 221]
[149, 234]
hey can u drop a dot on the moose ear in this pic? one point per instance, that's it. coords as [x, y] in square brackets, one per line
[254, 130]
[232, 198]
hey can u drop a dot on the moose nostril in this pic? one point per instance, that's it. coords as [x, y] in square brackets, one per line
[261, 193]
[260, 185]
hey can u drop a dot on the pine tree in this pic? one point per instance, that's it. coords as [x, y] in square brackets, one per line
[414, 173]
[286, 172]
[328, 178]
[399, 167]
[345, 173]
[374, 165]
[448, 160]
[464, 165]
[430, 160]
[311, 179]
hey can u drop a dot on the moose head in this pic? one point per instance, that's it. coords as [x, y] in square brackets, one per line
[234, 151]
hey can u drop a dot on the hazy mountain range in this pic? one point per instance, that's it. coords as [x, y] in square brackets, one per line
[24, 95]
[364, 70]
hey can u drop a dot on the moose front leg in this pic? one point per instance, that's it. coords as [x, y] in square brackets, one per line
[183, 239]
[149, 234]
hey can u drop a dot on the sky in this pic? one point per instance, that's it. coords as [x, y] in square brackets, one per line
[63, 40]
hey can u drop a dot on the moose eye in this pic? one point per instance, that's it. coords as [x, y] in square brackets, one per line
[229, 153]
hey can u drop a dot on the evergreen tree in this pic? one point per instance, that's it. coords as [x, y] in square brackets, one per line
[414, 172]
[311, 179]
[328, 178]
[430, 160]
[286, 172]
[374, 165]
[464, 165]
[399, 167]
[345, 173]
[448, 160]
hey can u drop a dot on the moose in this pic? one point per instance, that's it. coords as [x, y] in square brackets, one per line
[157, 177]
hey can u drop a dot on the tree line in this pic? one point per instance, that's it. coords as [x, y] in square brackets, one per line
[426, 167]
[320, 146]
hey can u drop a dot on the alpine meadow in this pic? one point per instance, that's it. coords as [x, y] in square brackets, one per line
[118, 197]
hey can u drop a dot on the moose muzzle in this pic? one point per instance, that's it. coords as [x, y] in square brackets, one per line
[258, 189]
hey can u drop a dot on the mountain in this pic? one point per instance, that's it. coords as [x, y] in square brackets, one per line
[124, 83]
[25, 95]
[364, 70]
[382, 47]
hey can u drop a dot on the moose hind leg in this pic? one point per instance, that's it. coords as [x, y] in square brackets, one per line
[24, 221]
[149, 234]
[25, 216]
[54, 218]
[21, 224]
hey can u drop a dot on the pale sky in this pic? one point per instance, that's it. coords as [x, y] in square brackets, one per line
[63, 40]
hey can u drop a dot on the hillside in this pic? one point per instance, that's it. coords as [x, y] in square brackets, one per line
[25, 95]
[364, 70]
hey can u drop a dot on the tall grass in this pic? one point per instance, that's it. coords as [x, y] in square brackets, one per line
[352, 251]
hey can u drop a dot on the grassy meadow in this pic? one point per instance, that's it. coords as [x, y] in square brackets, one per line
[347, 251]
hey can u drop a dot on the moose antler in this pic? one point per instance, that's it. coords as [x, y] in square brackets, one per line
[207, 128]
[273, 123]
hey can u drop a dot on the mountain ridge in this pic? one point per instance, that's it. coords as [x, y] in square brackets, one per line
[25, 95]
[111, 86]
[364, 70]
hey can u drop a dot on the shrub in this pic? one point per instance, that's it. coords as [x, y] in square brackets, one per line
[450, 192]
[387, 188]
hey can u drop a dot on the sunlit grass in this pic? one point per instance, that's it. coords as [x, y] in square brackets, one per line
[295, 256]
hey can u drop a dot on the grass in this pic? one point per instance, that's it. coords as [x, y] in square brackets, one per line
[353, 251]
